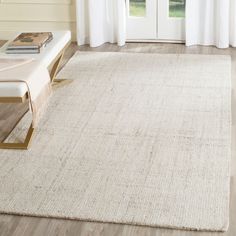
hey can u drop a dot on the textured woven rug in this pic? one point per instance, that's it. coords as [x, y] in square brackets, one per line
[135, 138]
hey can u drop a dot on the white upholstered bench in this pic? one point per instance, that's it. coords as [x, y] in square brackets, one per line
[50, 57]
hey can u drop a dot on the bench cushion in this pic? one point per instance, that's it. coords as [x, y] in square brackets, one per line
[12, 89]
[45, 58]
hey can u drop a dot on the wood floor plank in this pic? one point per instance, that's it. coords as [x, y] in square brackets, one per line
[35, 226]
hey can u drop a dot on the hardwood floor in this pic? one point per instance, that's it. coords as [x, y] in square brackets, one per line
[11, 225]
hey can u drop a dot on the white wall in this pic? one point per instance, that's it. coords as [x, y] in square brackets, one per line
[37, 15]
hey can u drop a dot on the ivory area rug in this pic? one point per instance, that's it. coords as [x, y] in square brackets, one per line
[135, 139]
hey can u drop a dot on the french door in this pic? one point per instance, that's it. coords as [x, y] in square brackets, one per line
[141, 19]
[155, 19]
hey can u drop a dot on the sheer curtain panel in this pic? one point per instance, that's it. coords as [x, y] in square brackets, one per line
[211, 22]
[101, 21]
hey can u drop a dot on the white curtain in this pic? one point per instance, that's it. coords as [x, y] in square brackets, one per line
[101, 21]
[211, 22]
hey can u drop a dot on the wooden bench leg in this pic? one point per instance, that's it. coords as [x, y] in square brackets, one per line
[56, 67]
[23, 146]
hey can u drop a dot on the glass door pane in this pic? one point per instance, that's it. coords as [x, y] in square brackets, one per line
[137, 8]
[177, 8]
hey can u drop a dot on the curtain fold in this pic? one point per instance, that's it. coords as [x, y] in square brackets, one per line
[101, 21]
[211, 22]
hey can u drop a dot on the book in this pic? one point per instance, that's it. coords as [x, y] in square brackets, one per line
[29, 43]
[27, 51]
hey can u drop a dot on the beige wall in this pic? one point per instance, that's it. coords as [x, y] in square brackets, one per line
[39, 15]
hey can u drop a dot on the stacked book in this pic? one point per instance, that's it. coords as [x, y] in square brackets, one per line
[29, 43]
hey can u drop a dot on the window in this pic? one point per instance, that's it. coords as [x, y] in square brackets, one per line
[177, 8]
[137, 8]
